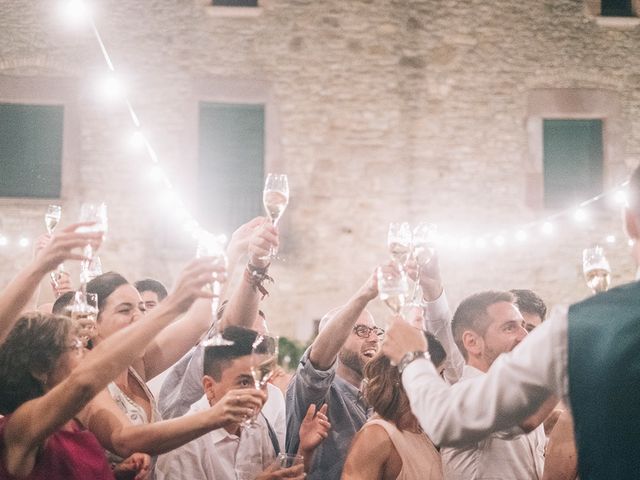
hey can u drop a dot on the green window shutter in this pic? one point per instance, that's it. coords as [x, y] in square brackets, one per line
[616, 8]
[231, 164]
[235, 3]
[31, 150]
[573, 166]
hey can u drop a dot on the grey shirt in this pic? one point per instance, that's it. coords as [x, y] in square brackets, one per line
[347, 413]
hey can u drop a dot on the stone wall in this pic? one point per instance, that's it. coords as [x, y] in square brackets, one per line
[380, 111]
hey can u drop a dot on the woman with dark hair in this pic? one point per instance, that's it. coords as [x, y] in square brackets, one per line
[391, 445]
[124, 417]
[46, 380]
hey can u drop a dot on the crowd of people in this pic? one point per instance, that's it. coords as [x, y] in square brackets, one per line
[493, 390]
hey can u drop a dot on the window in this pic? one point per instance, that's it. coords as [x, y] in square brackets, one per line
[230, 164]
[616, 8]
[31, 150]
[234, 3]
[573, 161]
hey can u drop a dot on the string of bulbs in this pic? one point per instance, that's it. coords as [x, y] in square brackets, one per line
[77, 11]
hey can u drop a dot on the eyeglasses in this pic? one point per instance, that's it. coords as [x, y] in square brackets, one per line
[364, 332]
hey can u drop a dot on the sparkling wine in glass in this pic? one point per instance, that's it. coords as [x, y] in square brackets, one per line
[264, 362]
[399, 242]
[596, 269]
[213, 246]
[84, 311]
[423, 250]
[51, 220]
[97, 213]
[275, 198]
[393, 286]
[52, 217]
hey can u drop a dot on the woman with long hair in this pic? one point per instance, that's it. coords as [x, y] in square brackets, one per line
[391, 445]
[46, 380]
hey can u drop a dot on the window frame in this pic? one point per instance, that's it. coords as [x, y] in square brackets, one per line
[568, 104]
[58, 91]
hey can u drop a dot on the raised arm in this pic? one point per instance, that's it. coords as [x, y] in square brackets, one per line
[35, 420]
[116, 433]
[437, 318]
[16, 295]
[244, 303]
[331, 338]
[515, 387]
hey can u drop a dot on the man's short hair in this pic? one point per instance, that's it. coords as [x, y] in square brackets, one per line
[151, 285]
[62, 302]
[472, 314]
[529, 301]
[218, 357]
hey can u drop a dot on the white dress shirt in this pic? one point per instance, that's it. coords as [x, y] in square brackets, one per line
[218, 455]
[437, 320]
[514, 388]
[500, 456]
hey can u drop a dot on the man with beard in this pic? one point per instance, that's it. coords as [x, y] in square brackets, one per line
[330, 372]
[486, 325]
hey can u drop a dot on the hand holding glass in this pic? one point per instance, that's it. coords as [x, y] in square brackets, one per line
[264, 362]
[393, 286]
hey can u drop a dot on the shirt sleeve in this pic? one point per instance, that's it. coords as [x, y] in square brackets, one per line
[514, 388]
[309, 385]
[437, 320]
[183, 385]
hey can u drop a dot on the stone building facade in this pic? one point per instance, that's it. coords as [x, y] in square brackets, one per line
[378, 110]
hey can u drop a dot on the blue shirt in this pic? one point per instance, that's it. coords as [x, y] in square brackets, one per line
[347, 413]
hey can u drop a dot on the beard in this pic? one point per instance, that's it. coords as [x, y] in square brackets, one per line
[351, 360]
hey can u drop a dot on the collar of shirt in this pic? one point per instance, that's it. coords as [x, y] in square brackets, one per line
[470, 372]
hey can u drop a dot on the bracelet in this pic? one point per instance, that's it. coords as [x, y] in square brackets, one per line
[256, 276]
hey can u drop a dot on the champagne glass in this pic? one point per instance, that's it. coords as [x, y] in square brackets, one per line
[399, 241]
[97, 213]
[52, 217]
[264, 362]
[275, 198]
[51, 220]
[84, 311]
[288, 460]
[213, 246]
[423, 251]
[93, 270]
[595, 266]
[393, 286]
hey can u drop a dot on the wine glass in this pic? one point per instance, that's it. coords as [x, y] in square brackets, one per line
[423, 251]
[84, 311]
[94, 269]
[213, 246]
[264, 362]
[393, 286]
[399, 241]
[97, 213]
[275, 198]
[597, 272]
[288, 460]
[51, 220]
[52, 217]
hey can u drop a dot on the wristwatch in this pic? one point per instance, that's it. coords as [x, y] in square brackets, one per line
[410, 357]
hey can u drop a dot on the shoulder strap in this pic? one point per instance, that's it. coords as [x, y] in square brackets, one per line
[272, 436]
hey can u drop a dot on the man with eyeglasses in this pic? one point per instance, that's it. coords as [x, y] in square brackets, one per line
[330, 372]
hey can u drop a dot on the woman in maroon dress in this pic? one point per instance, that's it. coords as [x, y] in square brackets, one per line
[46, 378]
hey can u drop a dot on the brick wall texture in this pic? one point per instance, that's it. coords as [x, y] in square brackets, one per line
[383, 111]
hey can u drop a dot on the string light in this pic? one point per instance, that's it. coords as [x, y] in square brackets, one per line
[24, 242]
[112, 87]
[4, 241]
